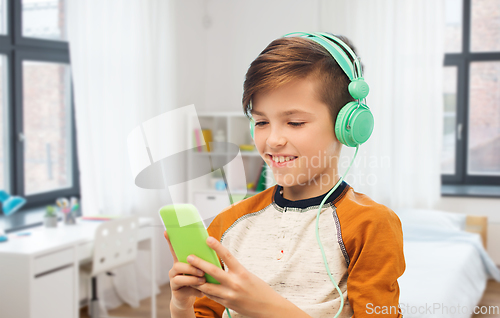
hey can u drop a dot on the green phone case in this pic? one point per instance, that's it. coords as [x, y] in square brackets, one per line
[188, 235]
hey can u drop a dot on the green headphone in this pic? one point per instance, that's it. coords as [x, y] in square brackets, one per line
[354, 123]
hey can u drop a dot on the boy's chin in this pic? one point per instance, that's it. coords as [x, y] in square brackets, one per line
[289, 185]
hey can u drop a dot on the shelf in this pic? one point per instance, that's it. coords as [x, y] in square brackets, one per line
[213, 191]
[250, 153]
[221, 114]
[235, 126]
[206, 153]
[243, 153]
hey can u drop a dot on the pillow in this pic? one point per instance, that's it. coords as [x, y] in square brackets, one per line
[433, 218]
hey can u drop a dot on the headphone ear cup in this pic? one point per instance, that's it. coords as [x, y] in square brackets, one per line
[252, 128]
[341, 122]
[361, 122]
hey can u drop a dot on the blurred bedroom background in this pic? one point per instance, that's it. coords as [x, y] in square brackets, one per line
[77, 77]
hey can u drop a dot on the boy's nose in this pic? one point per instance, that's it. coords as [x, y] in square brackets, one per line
[276, 139]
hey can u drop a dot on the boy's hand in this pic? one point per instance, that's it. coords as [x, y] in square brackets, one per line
[239, 289]
[182, 277]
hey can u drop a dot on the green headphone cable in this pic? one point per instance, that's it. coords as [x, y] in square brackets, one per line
[319, 241]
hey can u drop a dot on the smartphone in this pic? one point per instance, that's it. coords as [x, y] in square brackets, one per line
[188, 234]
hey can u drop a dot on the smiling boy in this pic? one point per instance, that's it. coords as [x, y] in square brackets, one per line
[272, 265]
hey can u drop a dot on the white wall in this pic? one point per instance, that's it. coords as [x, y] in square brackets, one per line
[214, 57]
[191, 57]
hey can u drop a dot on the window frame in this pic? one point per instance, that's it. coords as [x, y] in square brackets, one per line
[18, 49]
[463, 61]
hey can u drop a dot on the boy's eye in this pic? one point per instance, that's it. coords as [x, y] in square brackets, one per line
[262, 123]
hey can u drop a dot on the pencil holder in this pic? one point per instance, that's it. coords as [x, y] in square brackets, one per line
[69, 216]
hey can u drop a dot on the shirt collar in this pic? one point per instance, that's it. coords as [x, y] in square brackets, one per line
[301, 204]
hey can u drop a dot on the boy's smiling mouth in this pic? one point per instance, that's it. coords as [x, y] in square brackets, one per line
[280, 160]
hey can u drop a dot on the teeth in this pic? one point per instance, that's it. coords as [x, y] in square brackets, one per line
[282, 159]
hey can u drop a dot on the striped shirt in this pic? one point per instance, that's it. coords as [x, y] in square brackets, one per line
[275, 239]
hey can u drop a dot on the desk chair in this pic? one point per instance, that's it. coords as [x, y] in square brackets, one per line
[115, 245]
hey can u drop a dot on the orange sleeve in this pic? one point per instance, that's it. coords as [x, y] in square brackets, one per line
[373, 239]
[205, 307]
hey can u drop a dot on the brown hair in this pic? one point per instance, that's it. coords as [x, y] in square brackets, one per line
[290, 58]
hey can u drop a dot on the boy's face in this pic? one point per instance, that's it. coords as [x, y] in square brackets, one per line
[307, 134]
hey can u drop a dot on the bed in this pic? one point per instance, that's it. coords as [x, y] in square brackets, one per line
[447, 266]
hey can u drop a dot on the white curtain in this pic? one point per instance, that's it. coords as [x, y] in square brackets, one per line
[401, 46]
[122, 59]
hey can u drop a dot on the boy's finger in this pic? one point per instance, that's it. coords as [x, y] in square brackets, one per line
[224, 254]
[219, 274]
[170, 246]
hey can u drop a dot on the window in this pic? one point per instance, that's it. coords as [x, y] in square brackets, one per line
[471, 91]
[3, 123]
[3, 17]
[37, 132]
[44, 19]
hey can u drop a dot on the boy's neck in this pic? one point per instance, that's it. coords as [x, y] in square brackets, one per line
[311, 189]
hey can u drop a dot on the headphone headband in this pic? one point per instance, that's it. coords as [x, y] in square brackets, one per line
[348, 49]
[335, 46]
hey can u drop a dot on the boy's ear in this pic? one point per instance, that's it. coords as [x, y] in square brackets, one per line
[338, 144]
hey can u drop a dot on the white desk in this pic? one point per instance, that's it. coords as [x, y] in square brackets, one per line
[39, 274]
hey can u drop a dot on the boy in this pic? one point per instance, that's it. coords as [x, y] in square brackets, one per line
[272, 265]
